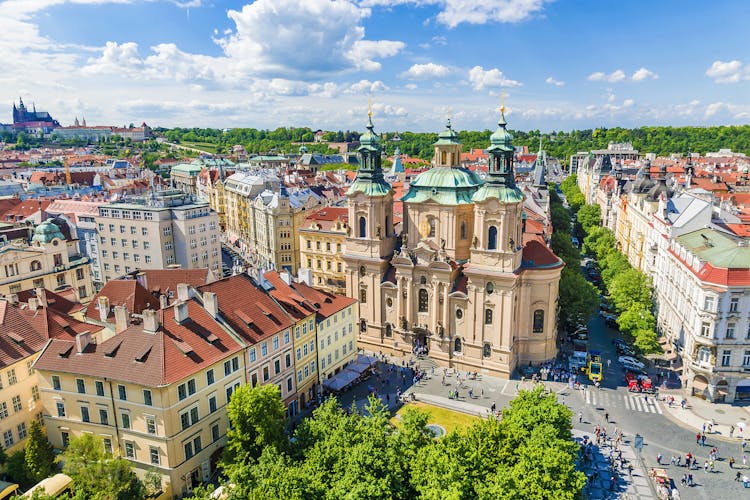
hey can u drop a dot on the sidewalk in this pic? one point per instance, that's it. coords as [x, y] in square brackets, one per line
[699, 412]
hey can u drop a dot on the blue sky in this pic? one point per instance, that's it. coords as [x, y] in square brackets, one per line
[563, 64]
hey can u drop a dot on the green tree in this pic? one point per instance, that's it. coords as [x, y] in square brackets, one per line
[590, 217]
[40, 456]
[96, 474]
[578, 298]
[15, 467]
[628, 288]
[258, 420]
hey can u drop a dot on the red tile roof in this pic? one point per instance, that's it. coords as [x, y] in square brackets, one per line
[250, 311]
[25, 209]
[24, 332]
[128, 293]
[175, 352]
[327, 217]
[162, 281]
[291, 300]
[536, 254]
[54, 301]
[325, 303]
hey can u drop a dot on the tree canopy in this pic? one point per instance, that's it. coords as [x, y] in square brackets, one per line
[360, 455]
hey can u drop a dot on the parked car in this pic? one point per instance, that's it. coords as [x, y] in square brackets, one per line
[634, 369]
[625, 350]
[631, 360]
[618, 341]
[609, 319]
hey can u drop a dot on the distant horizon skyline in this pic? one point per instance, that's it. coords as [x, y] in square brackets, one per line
[271, 63]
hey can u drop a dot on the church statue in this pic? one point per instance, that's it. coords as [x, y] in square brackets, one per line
[378, 229]
[511, 243]
[475, 243]
[404, 323]
[440, 330]
[348, 230]
[442, 244]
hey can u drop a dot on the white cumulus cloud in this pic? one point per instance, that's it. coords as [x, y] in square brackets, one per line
[491, 78]
[614, 77]
[644, 74]
[367, 87]
[426, 71]
[728, 71]
[556, 83]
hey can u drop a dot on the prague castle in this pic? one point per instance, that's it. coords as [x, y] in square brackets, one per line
[461, 282]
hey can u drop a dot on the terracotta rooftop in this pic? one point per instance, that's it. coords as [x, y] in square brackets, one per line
[296, 305]
[54, 301]
[326, 304]
[24, 331]
[174, 352]
[249, 310]
[536, 254]
[163, 281]
[128, 293]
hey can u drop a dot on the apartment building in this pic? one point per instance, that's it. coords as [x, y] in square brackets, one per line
[335, 325]
[166, 229]
[26, 327]
[156, 393]
[303, 312]
[321, 242]
[184, 177]
[50, 260]
[265, 328]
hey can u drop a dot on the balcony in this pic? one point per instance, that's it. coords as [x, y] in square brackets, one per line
[702, 367]
[707, 341]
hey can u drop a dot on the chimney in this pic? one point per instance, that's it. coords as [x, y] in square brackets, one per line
[286, 277]
[150, 321]
[41, 295]
[163, 301]
[83, 339]
[211, 304]
[103, 308]
[305, 276]
[122, 318]
[183, 292]
[141, 278]
[12, 298]
[181, 312]
[33, 303]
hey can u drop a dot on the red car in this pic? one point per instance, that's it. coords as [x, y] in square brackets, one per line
[639, 383]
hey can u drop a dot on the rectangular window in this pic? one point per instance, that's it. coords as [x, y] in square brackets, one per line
[276, 342]
[746, 359]
[35, 393]
[150, 424]
[81, 386]
[3, 411]
[289, 384]
[288, 360]
[286, 337]
[726, 357]
[191, 386]
[276, 366]
[266, 374]
[125, 420]
[706, 329]
[99, 388]
[147, 397]
[17, 404]
[60, 408]
[307, 372]
[122, 393]
[215, 432]
[299, 375]
[107, 446]
[56, 382]
[12, 376]
[8, 438]
[181, 392]
[103, 417]
[252, 355]
[708, 304]
[65, 438]
[85, 417]
[734, 304]
[129, 449]
[253, 379]
[312, 346]
[188, 450]
[235, 364]
[212, 404]
[304, 349]
[264, 349]
[154, 453]
[730, 330]
[210, 377]
[22, 433]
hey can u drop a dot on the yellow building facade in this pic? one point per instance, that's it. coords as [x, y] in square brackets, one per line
[321, 242]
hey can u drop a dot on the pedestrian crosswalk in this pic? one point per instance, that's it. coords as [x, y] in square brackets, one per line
[634, 402]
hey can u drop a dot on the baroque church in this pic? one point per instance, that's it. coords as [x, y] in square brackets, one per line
[462, 282]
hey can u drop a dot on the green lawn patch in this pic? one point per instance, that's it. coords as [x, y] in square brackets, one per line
[448, 419]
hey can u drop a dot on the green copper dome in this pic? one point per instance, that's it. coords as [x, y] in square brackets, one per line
[370, 139]
[444, 185]
[501, 139]
[46, 232]
[369, 180]
[447, 136]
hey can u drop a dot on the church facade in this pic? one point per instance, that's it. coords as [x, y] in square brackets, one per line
[462, 281]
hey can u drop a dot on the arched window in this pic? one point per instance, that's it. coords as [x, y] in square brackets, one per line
[423, 300]
[464, 232]
[35, 265]
[388, 330]
[488, 316]
[492, 238]
[457, 345]
[539, 321]
[432, 228]
[363, 295]
[362, 227]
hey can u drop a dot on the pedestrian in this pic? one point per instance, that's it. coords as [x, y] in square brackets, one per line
[683, 403]
[731, 462]
[705, 466]
[606, 417]
[481, 393]
[731, 431]
[658, 458]
[609, 362]
[690, 478]
[698, 438]
[744, 443]
[672, 460]
[630, 469]
[744, 460]
[703, 440]
[580, 415]
[737, 476]
[493, 407]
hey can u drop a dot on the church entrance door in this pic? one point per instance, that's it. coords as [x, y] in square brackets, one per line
[421, 341]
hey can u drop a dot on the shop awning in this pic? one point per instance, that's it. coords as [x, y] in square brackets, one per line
[340, 380]
[699, 385]
[363, 363]
[7, 488]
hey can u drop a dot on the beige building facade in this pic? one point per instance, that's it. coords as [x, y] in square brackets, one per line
[322, 236]
[169, 229]
[461, 284]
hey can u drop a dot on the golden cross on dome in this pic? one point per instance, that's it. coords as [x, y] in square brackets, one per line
[369, 107]
[502, 102]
